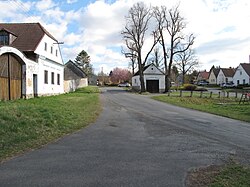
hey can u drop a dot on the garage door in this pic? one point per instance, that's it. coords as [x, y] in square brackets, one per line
[152, 86]
[10, 77]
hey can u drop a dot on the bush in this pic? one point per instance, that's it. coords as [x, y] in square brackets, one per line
[189, 87]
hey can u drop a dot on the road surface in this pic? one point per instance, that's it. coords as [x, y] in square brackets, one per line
[135, 142]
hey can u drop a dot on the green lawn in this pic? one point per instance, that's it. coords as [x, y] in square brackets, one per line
[228, 107]
[233, 175]
[29, 124]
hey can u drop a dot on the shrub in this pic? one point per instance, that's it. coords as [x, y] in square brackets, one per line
[189, 87]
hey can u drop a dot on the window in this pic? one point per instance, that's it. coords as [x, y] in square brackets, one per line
[45, 76]
[51, 50]
[45, 46]
[244, 81]
[56, 52]
[240, 72]
[4, 38]
[238, 82]
[52, 78]
[58, 79]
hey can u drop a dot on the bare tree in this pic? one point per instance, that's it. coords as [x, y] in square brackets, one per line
[175, 26]
[185, 62]
[159, 14]
[173, 23]
[135, 32]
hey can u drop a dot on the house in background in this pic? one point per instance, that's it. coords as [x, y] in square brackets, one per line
[74, 77]
[242, 74]
[154, 79]
[225, 75]
[202, 76]
[213, 75]
[30, 62]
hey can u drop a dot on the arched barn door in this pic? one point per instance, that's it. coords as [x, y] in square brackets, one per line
[10, 77]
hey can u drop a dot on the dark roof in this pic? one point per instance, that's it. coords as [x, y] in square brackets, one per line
[228, 72]
[73, 72]
[246, 67]
[216, 71]
[145, 67]
[28, 34]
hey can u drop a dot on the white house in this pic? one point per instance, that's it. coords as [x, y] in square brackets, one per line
[30, 62]
[242, 74]
[225, 75]
[213, 74]
[154, 79]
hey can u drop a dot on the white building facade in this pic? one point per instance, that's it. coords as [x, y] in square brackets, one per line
[242, 74]
[33, 61]
[154, 80]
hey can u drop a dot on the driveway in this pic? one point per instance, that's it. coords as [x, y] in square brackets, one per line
[135, 142]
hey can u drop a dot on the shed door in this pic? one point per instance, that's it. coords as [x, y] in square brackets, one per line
[152, 86]
[10, 78]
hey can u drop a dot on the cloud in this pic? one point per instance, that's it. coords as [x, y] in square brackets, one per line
[71, 1]
[45, 4]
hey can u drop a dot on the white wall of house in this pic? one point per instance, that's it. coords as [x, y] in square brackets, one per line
[212, 78]
[240, 76]
[49, 60]
[222, 78]
[72, 85]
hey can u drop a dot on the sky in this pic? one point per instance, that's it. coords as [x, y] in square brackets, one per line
[221, 28]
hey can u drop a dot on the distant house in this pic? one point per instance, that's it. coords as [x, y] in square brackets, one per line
[202, 76]
[242, 74]
[30, 62]
[74, 77]
[154, 79]
[225, 75]
[213, 75]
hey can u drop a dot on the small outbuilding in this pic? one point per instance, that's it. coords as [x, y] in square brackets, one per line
[74, 77]
[154, 79]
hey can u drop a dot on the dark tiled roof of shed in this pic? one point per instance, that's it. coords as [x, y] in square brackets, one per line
[28, 34]
[72, 71]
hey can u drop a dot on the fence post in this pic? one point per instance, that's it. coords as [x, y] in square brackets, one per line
[219, 94]
[227, 94]
[211, 94]
[201, 94]
[191, 94]
[168, 93]
[180, 93]
[236, 94]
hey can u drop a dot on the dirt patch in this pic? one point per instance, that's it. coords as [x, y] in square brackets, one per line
[202, 177]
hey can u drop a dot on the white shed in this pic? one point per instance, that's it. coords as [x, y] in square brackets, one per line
[154, 79]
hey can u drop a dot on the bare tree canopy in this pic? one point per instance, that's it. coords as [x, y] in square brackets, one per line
[171, 22]
[185, 62]
[135, 33]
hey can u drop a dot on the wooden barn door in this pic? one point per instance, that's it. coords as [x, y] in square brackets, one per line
[4, 78]
[10, 77]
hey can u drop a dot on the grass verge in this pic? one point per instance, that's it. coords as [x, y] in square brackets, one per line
[228, 107]
[29, 124]
[230, 175]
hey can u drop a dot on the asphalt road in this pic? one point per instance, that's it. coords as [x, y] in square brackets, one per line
[135, 142]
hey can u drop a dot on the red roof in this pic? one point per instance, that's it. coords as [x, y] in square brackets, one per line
[28, 35]
[204, 74]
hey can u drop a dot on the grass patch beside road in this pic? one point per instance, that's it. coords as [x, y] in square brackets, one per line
[29, 124]
[229, 175]
[228, 107]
